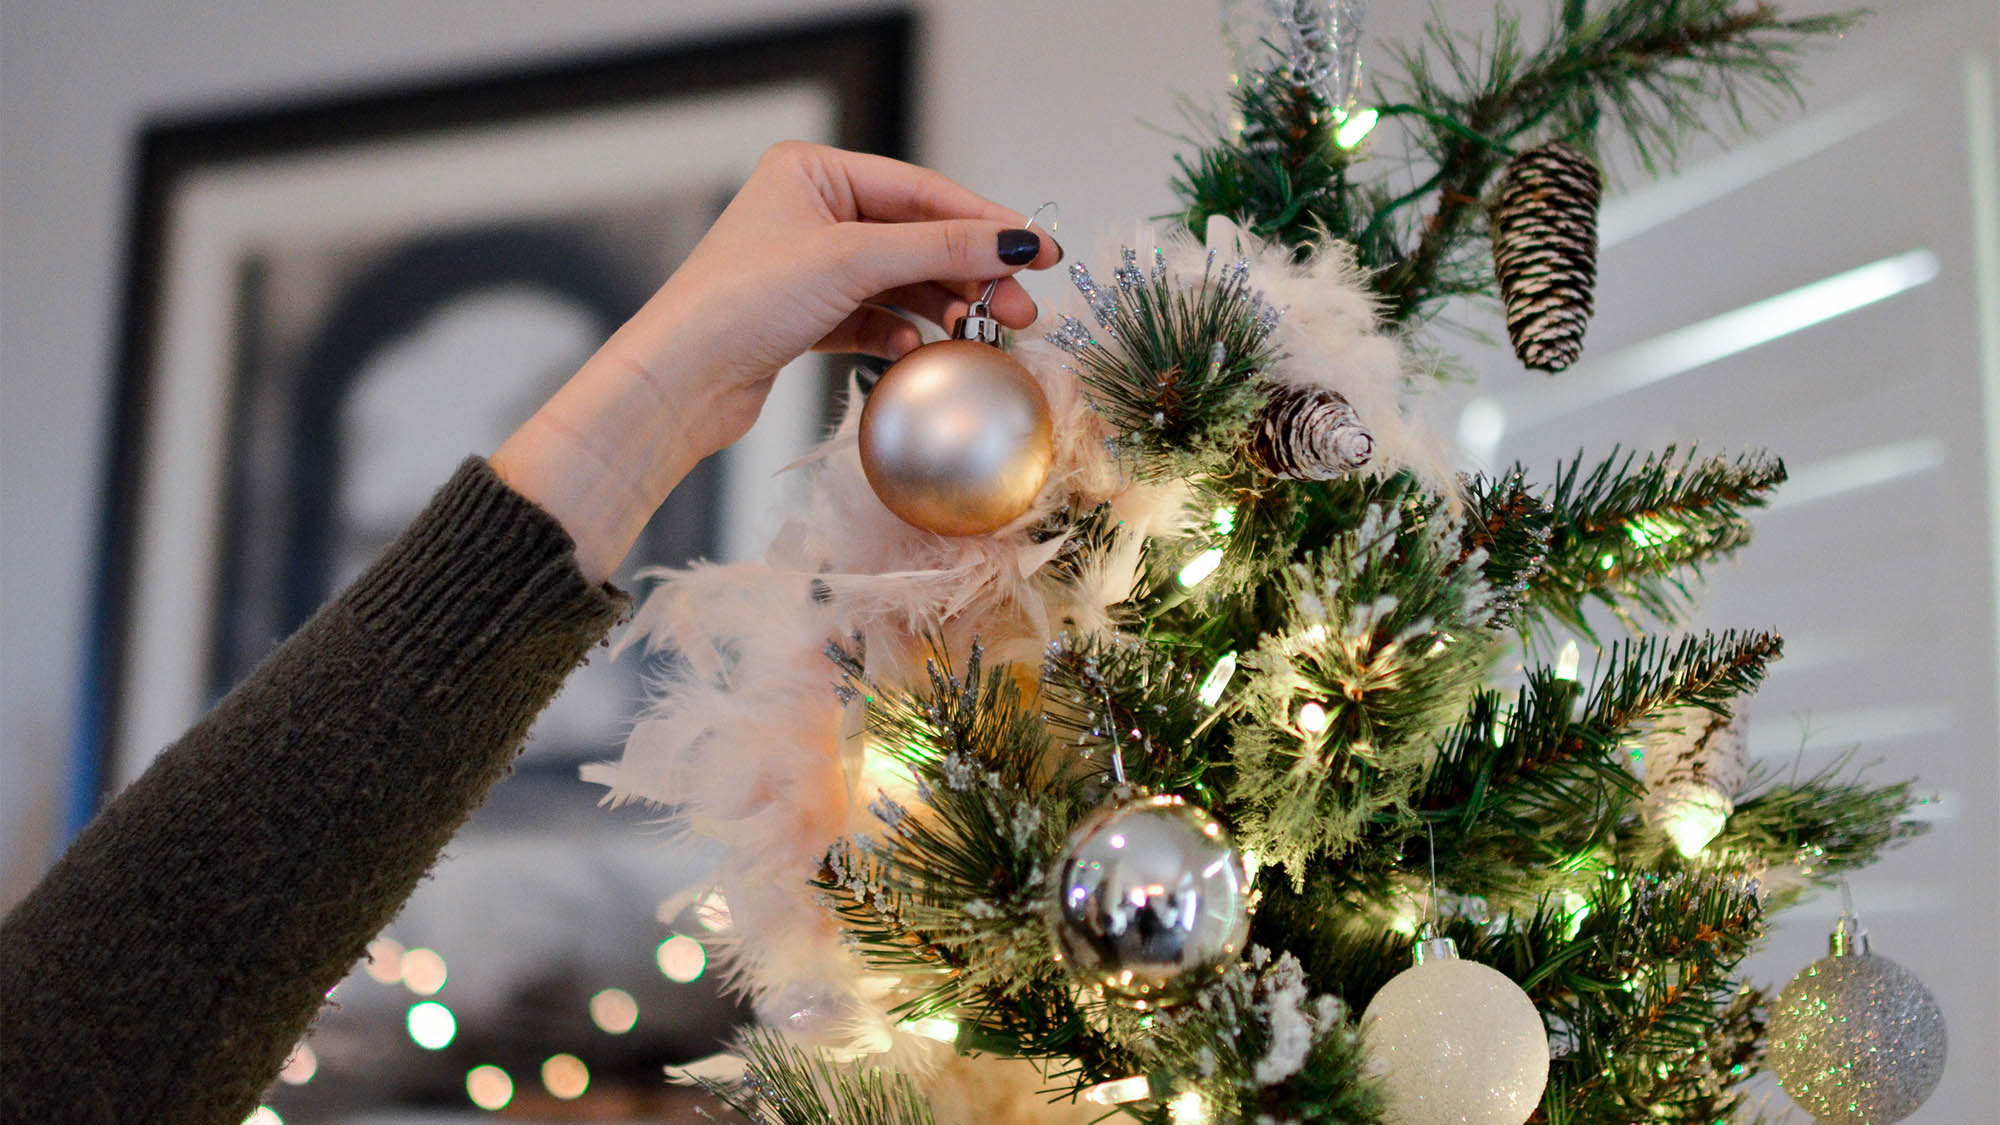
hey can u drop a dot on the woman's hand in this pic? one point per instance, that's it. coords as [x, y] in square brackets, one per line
[804, 258]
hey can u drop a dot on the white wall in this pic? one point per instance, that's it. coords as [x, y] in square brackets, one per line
[1029, 101]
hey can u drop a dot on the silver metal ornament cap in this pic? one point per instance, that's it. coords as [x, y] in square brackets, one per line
[1435, 949]
[977, 324]
[1848, 938]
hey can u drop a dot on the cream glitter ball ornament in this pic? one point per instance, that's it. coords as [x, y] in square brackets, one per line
[1455, 1041]
[956, 437]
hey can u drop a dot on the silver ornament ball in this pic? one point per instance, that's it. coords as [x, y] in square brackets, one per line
[956, 438]
[1152, 900]
[1455, 1041]
[1857, 1038]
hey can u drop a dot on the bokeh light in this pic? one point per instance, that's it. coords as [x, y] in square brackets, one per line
[565, 1076]
[300, 1068]
[385, 960]
[424, 971]
[263, 1115]
[613, 1010]
[431, 1025]
[489, 1087]
[681, 958]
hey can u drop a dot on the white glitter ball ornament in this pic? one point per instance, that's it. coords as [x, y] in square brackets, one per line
[1455, 1041]
[1857, 1038]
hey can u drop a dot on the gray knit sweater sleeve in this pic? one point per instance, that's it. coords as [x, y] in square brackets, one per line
[166, 965]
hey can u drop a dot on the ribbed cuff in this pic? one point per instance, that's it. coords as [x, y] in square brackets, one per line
[480, 566]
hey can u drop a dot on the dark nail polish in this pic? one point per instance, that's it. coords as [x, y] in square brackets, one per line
[1019, 247]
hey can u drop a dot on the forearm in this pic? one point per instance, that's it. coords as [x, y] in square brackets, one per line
[183, 944]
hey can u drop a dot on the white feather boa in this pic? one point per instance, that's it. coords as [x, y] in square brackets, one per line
[752, 748]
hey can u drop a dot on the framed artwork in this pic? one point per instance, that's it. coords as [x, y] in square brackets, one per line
[329, 305]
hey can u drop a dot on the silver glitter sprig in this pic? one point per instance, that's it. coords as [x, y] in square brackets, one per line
[1103, 305]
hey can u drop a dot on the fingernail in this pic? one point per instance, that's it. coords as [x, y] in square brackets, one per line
[1059, 252]
[1019, 247]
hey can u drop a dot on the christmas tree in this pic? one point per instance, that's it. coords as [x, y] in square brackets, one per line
[1146, 801]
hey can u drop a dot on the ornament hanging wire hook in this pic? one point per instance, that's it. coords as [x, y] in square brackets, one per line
[1431, 918]
[1111, 728]
[1034, 220]
[1848, 937]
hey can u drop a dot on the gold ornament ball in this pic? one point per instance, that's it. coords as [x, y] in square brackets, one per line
[956, 438]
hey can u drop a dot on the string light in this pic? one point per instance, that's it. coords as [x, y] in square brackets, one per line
[614, 1011]
[1201, 567]
[431, 1025]
[1354, 126]
[1313, 718]
[1210, 692]
[1568, 661]
[1187, 1108]
[1119, 1090]
[942, 1030]
[489, 1087]
[565, 1076]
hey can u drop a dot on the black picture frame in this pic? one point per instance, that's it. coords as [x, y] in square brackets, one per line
[861, 64]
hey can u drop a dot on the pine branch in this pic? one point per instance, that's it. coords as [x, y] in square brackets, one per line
[1386, 633]
[1172, 366]
[1652, 66]
[783, 1084]
[1265, 1047]
[953, 892]
[1824, 823]
[1523, 796]
[1141, 698]
[1638, 987]
[1623, 534]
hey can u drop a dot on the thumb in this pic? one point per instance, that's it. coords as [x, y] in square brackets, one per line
[873, 257]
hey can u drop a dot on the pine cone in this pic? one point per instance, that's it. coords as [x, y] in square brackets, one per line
[1545, 251]
[1309, 433]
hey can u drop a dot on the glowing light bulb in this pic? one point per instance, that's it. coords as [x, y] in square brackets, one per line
[1355, 126]
[1187, 1108]
[489, 1087]
[1201, 567]
[1210, 692]
[1119, 1090]
[1568, 661]
[942, 1030]
[1313, 718]
[1693, 824]
[431, 1025]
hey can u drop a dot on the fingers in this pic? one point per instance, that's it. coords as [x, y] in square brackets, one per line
[942, 304]
[872, 331]
[892, 191]
[872, 257]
